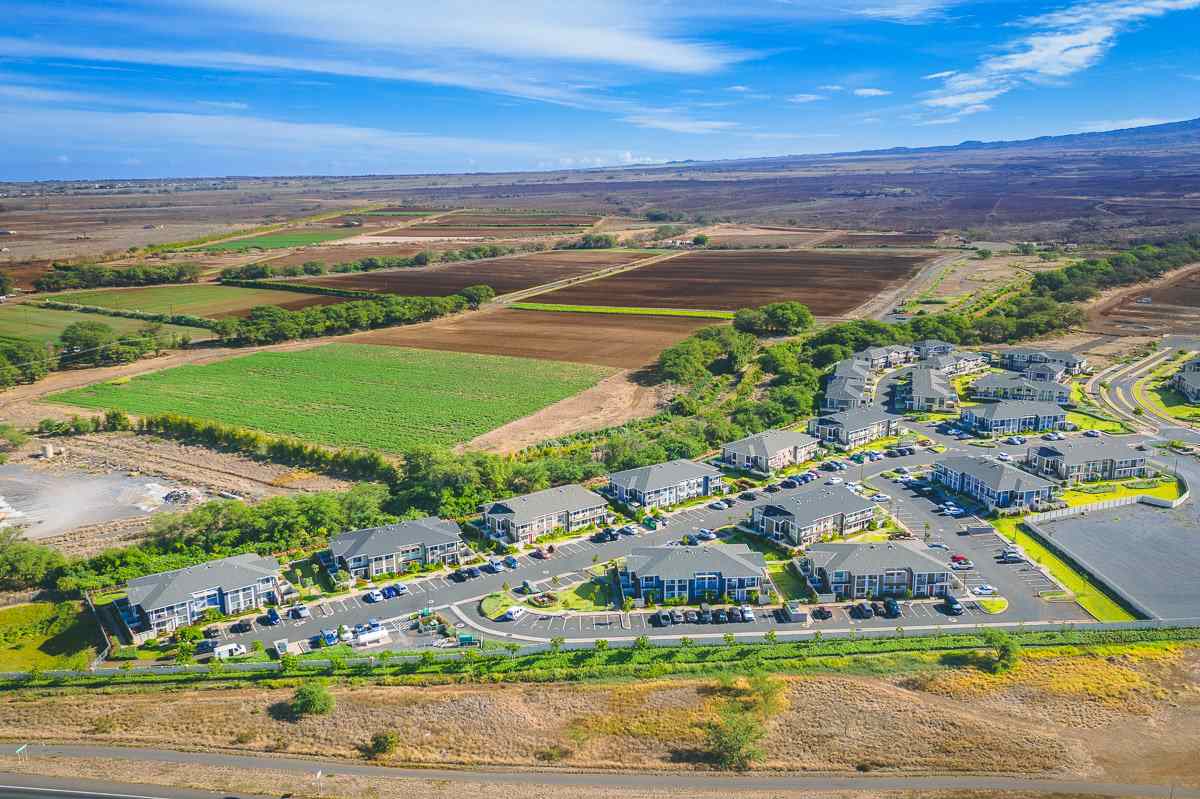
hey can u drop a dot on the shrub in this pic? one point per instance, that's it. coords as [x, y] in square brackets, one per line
[311, 699]
[382, 744]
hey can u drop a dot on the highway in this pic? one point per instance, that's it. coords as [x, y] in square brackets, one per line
[25, 787]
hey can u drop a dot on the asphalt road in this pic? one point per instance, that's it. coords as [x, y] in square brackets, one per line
[673, 782]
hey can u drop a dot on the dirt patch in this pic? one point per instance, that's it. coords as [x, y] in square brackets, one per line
[478, 232]
[922, 239]
[336, 253]
[613, 401]
[1170, 304]
[502, 274]
[624, 341]
[830, 283]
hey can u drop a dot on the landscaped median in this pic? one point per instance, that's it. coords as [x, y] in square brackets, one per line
[548, 306]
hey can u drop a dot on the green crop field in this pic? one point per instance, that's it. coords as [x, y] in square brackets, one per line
[282, 238]
[384, 398]
[44, 325]
[205, 299]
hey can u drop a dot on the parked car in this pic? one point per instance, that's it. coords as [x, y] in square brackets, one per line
[962, 565]
[984, 590]
[718, 505]
[954, 607]
[789, 484]
[690, 540]
[301, 612]
[834, 481]
[514, 613]
[880, 498]
[458, 576]
[241, 626]
[735, 614]
[958, 557]
[494, 566]
[374, 596]
[224, 651]
[772, 488]
[705, 615]
[627, 530]
[749, 496]
[539, 553]
[747, 613]
[329, 637]
[473, 573]
[706, 535]
[821, 612]
[891, 608]
[1092, 433]
[1004, 456]
[676, 616]
[863, 611]
[272, 617]
[719, 616]
[511, 562]
[729, 502]
[650, 523]
[1012, 558]
[877, 608]
[662, 618]
[691, 617]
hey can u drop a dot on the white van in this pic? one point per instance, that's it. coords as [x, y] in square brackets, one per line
[514, 613]
[225, 651]
[371, 637]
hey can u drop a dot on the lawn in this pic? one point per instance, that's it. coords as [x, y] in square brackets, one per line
[549, 306]
[205, 300]
[46, 635]
[1090, 595]
[769, 549]
[789, 583]
[44, 325]
[1086, 421]
[381, 398]
[282, 238]
[1099, 492]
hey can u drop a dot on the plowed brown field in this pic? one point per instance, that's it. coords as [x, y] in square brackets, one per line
[605, 339]
[343, 253]
[476, 231]
[502, 274]
[830, 283]
[883, 240]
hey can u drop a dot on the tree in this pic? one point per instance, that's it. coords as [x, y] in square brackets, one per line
[84, 342]
[513, 649]
[770, 637]
[1008, 650]
[700, 240]
[185, 652]
[288, 662]
[601, 645]
[641, 642]
[24, 564]
[477, 295]
[787, 318]
[734, 739]
[750, 320]
[6, 284]
[556, 644]
[189, 634]
[729, 639]
[311, 699]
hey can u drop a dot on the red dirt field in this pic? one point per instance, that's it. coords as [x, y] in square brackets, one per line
[1174, 307]
[474, 232]
[517, 220]
[301, 301]
[830, 283]
[23, 273]
[882, 240]
[619, 340]
[502, 274]
[344, 253]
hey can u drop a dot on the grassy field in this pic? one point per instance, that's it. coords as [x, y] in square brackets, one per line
[1087, 421]
[549, 306]
[1168, 489]
[200, 300]
[283, 238]
[44, 325]
[382, 398]
[46, 635]
[1090, 595]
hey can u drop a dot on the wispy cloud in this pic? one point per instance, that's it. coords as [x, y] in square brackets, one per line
[805, 98]
[939, 75]
[1059, 44]
[222, 104]
[678, 124]
[738, 88]
[871, 92]
[831, 87]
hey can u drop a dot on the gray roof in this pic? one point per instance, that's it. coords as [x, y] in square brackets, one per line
[855, 419]
[528, 507]
[662, 475]
[994, 474]
[1082, 450]
[930, 383]
[951, 359]
[849, 388]
[931, 343]
[851, 367]
[1011, 380]
[1051, 355]
[171, 588]
[682, 562]
[1014, 409]
[872, 558]
[768, 442]
[375, 541]
[812, 506]
[1191, 379]
[1043, 368]
[1191, 366]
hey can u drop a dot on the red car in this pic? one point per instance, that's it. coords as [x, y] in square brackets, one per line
[958, 558]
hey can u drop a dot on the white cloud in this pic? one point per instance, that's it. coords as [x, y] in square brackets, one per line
[871, 92]
[1059, 44]
[678, 124]
[737, 88]
[957, 115]
[227, 105]
[939, 75]
[831, 87]
[805, 98]
[624, 32]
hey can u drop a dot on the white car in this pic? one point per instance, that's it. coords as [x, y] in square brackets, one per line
[747, 613]
[400, 588]
[706, 535]
[374, 596]
[880, 498]
[834, 481]
[1004, 456]
[984, 590]
[962, 565]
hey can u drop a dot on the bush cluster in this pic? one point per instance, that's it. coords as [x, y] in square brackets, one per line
[87, 276]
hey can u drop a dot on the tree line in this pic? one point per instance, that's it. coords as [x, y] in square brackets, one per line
[62, 277]
[261, 271]
[1087, 278]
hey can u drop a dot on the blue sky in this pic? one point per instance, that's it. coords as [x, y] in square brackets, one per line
[134, 88]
